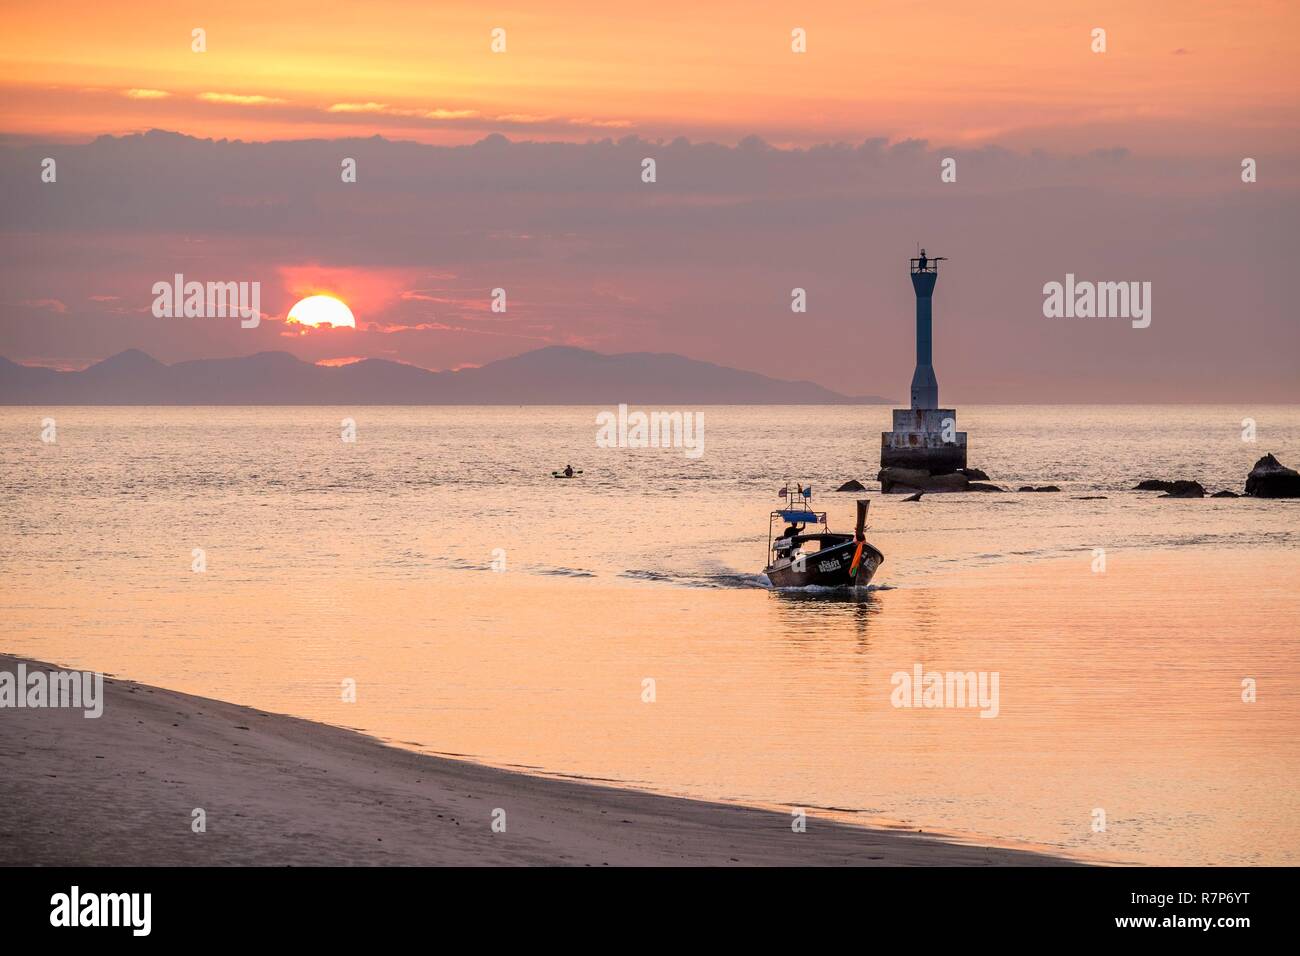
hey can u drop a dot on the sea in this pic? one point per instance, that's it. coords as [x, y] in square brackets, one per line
[430, 583]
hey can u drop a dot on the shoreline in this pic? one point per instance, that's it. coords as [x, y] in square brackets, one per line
[276, 790]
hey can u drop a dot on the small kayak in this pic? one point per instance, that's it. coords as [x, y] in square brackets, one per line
[560, 474]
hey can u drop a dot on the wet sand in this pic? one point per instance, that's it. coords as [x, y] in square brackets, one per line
[281, 791]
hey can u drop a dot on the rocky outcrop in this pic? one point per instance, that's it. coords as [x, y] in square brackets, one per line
[1041, 488]
[1172, 489]
[907, 480]
[1185, 489]
[852, 485]
[1225, 494]
[1154, 484]
[915, 497]
[1271, 479]
[974, 474]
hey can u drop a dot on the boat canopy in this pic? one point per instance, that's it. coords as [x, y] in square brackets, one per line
[800, 517]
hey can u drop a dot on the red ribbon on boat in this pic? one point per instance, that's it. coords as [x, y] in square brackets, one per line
[857, 560]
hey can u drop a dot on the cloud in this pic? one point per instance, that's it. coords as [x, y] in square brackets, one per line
[140, 94]
[358, 108]
[49, 305]
[241, 99]
[701, 262]
[524, 118]
[604, 124]
[550, 120]
[386, 110]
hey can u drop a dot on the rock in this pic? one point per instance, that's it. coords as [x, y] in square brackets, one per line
[1172, 489]
[1185, 489]
[902, 476]
[1090, 498]
[905, 480]
[974, 474]
[981, 486]
[1271, 479]
[1154, 484]
[852, 485]
[1225, 494]
[915, 497]
[1043, 488]
[1025, 488]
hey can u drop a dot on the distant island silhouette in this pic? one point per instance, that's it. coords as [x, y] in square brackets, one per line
[556, 375]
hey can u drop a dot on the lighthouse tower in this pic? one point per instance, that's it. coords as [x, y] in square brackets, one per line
[925, 436]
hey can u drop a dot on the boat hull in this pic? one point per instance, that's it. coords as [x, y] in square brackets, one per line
[828, 568]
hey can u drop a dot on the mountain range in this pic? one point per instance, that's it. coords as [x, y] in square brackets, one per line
[556, 375]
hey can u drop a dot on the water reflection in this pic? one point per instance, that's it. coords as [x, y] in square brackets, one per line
[804, 613]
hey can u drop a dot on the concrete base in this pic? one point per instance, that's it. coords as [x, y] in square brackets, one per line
[918, 441]
[937, 461]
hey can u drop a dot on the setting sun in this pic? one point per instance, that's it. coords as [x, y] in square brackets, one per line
[318, 310]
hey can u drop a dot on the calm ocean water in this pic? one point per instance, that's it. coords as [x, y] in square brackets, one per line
[1120, 691]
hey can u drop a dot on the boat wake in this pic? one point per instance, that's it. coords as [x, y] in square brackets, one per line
[701, 579]
[729, 580]
[842, 589]
[566, 572]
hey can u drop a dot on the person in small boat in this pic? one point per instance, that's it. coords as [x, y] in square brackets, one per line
[568, 471]
[788, 534]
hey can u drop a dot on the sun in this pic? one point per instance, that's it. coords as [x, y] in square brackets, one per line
[318, 310]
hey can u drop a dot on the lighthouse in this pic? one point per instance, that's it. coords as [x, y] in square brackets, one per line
[925, 436]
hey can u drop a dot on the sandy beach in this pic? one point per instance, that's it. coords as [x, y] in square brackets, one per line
[280, 791]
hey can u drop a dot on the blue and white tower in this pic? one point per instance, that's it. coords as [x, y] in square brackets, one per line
[925, 387]
[925, 436]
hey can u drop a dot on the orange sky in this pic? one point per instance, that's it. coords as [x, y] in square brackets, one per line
[1121, 165]
[1179, 75]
